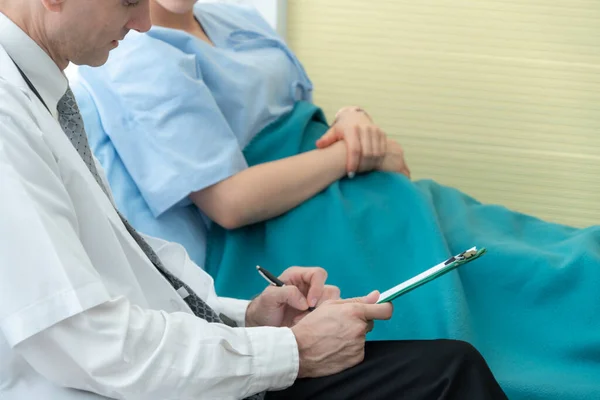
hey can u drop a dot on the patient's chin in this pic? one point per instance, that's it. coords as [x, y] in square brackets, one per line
[177, 6]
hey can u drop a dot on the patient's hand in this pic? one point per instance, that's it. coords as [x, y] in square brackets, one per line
[365, 141]
[394, 159]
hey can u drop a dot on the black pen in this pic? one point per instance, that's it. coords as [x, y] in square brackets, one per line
[273, 280]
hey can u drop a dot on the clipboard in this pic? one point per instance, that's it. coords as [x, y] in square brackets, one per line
[431, 274]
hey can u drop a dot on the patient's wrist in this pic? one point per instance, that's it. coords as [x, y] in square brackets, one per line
[349, 109]
[337, 155]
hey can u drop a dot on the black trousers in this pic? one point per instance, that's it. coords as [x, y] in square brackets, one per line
[423, 370]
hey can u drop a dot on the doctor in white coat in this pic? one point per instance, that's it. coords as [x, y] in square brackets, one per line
[89, 309]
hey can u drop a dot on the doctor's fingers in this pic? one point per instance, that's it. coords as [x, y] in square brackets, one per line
[309, 280]
[330, 292]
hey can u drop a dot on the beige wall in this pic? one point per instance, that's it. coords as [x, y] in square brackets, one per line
[498, 98]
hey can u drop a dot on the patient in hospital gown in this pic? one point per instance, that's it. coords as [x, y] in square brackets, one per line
[176, 113]
[172, 116]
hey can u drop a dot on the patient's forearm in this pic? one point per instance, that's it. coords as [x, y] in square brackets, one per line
[267, 190]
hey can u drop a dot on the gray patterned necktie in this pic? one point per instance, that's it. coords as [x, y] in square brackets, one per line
[71, 122]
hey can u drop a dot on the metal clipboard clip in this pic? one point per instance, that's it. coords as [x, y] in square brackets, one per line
[464, 256]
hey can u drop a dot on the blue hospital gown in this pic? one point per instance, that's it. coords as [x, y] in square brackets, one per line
[169, 114]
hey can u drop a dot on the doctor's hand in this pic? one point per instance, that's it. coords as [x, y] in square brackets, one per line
[332, 338]
[285, 306]
[365, 141]
[393, 160]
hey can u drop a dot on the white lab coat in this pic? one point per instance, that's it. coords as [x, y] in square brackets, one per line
[81, 306]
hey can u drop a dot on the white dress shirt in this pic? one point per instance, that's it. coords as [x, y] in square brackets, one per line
[83, 313]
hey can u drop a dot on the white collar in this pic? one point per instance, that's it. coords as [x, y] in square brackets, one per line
[37, 65]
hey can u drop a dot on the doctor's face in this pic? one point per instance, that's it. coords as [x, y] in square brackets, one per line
[84, 31]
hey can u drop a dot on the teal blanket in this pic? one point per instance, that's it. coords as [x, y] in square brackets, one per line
[530, 305]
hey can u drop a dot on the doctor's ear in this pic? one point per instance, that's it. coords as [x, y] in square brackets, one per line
[53, 5]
